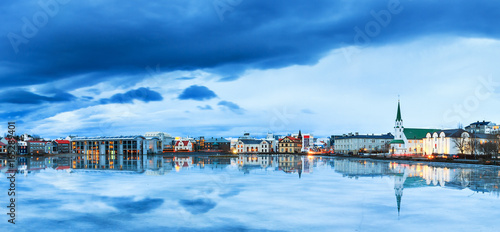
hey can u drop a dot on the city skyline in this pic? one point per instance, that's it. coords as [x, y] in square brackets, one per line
[246, 67]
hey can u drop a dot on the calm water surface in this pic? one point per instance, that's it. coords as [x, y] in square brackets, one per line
[252, 193]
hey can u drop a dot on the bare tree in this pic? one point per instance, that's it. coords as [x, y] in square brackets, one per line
[386, 147]
[472, 145]
[460, 143]
[489, 149]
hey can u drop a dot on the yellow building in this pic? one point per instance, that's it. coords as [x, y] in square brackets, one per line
[290, 144]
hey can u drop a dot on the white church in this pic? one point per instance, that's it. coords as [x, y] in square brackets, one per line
[417, 141]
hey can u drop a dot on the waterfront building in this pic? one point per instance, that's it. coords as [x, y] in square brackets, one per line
[333, 139]
[50, 148]
[153, 145]
[355, 143]
[215, 144]
[114, 145]
[418, 141]
[63, 146]
[408, 141]
[166, 140]
[252, 146]
[114, 152]
[307, 142]
[3, 148]
[290, 144]
[272, 140]
[183, 145]
[441, 142]
[22, 147]
[248, 144]
[36, 147]
[483, 127]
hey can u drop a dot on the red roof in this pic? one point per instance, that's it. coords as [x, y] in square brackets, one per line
[291, 138]
[184, 142]
[32, 141]
[2, 144]
[62, 141]
[8, 139]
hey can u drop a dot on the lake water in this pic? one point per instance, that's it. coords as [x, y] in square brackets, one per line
[252, 193]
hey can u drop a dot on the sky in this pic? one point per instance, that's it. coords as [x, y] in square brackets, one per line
[225, 67]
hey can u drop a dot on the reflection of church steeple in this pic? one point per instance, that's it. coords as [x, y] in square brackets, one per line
[399, 180]
[299, 166]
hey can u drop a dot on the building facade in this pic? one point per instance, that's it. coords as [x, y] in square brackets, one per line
[355, 143]
[252, 146]
[166, 140]
[183, 145]
[3, 148]
[36, 147]
[290, 144]
[215, 144]
[63, 146]
[408, 141]
[483, 127]
[118, 145]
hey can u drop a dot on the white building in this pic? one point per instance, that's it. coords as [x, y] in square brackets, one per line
[483, 127]
[408, 141]
[183, 145]
[165, 139]
[252, 146]
[417, 141]
[356, 143]
[273, 142]
[307, 142]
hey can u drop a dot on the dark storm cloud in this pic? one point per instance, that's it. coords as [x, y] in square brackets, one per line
[98, 40]
[141, 94]
[231, 106]
[198, 93]
[26, 97]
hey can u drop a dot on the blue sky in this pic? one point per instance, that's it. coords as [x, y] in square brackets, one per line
[225, 67]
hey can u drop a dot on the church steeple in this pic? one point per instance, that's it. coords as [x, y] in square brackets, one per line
[398, 127]
[398, 116]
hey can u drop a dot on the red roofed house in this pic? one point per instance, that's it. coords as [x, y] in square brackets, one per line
[290, 144]
[62, 146]
[183, 145]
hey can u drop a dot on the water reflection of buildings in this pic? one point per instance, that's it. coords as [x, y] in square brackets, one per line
[248, 162]
[285, 163]
[414, 175]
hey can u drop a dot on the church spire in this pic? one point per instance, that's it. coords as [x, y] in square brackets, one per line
[398, 116]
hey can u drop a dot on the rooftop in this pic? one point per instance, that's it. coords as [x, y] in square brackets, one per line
[109, 137]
